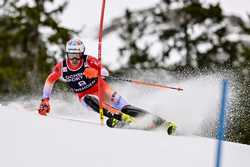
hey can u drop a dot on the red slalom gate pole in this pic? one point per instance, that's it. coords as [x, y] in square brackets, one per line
[100, 89]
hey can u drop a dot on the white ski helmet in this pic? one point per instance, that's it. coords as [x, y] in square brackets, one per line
[75, 45]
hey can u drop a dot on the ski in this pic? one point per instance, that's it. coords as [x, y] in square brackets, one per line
[149, 125]
[133, 118]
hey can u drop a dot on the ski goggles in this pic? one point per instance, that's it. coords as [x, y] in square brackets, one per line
[74, 55]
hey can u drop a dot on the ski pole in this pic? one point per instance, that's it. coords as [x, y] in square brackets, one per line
[144, 83]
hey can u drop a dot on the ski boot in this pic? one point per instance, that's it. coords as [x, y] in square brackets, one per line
[112, 122]
[125, 120]
[170, 127]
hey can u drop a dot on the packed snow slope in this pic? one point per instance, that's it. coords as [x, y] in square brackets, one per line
[28, 139]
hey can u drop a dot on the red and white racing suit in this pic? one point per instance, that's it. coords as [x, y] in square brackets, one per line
[80, 84]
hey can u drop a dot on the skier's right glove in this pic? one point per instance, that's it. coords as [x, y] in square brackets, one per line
[44, 107]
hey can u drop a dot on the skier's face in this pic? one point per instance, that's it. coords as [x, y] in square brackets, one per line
[74, 58]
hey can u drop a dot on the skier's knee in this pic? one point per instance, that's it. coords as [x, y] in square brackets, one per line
[118, 102]
[91, 102]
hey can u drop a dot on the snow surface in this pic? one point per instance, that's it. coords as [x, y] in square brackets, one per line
[30, 140]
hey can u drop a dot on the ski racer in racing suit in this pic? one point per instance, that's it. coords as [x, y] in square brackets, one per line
[80, 72]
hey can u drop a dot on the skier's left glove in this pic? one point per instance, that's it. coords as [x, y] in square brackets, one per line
[90, 73]
[44, 107]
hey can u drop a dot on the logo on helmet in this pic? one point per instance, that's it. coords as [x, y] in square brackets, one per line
[75, 42]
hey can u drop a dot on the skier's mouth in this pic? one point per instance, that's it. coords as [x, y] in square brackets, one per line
[75, 59]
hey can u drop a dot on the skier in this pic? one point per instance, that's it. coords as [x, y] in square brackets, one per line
[80, 72]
